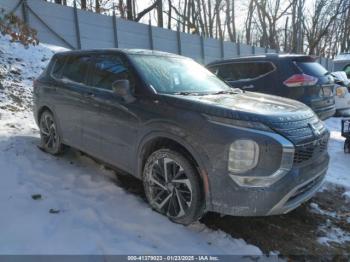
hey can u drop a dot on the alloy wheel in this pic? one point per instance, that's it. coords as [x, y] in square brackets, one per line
[169, 188]
[50, 139]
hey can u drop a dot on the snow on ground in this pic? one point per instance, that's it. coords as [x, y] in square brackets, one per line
[95, 216]
[339, 168]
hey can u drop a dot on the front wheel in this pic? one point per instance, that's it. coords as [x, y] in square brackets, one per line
[172, 186]
[49, 135]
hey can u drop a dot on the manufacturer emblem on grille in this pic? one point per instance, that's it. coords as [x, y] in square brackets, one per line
[314, 130]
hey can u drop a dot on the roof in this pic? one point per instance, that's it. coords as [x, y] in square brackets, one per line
[342, 57]
[119, 50]
[263, 57]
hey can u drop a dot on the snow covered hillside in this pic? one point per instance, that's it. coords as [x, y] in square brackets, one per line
[73, 205]
[79, 208]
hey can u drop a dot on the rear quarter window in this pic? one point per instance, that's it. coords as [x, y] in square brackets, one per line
[312, 68]
[244, 71]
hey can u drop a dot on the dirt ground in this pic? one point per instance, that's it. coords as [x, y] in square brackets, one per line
[294, 235]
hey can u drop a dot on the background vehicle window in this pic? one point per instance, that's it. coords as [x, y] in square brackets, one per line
[76, 68]
[347, 70]
[244, 71]
[108, 69]
[58, 67]
[312, 68]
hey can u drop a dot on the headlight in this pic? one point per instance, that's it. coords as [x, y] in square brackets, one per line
[243, 156]
[341, 91]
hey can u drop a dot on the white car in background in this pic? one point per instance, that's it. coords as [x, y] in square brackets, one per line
[342, 94]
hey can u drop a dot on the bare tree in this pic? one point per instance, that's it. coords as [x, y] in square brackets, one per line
[230, 19]
[319, 21]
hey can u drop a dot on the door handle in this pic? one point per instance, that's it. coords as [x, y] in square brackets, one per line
[248, 87]
[89, 95]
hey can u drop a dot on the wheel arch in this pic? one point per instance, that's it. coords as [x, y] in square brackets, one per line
[158, 140]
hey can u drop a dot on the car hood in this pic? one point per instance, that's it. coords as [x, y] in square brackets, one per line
[247, 106]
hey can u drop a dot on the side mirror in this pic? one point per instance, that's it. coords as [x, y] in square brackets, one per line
[122, 89]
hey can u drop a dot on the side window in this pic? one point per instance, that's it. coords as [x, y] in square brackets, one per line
[244, 71]
[109, 68]
[58, 67]
[347, 70]
[76, 68]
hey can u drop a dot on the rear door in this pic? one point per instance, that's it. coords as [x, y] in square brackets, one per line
[254, 76]
[70, 105]
[115, 126]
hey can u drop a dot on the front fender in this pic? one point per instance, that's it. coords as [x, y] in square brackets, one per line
[179, 135]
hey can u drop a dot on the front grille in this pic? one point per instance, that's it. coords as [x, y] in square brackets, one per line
[300, 131]
[307, 151]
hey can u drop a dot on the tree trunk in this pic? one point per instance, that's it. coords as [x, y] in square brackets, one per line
[169, 14]
[160, 13]
[83, 4]
[129, 10]
[97, 6]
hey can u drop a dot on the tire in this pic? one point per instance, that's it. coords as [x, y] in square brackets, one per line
[175, 193]
[50, 139]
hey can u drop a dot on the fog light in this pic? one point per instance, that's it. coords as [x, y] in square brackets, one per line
[341, 91]
[243, 156]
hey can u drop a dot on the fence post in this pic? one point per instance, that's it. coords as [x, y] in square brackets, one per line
[150, 35]
[76, 22]
[222, 51]
[115, 29]
[25, 11]
[202, 49]
[238, 45]
[179, 47]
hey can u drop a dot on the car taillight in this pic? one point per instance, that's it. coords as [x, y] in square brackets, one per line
[300, 80]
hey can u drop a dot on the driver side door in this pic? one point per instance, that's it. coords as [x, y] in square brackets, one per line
[117, 125]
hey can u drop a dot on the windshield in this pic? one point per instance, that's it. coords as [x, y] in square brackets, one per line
[174, 75]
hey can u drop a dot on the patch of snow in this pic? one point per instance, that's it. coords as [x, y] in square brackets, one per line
[315, 208]
[339, 166]
[333, 234]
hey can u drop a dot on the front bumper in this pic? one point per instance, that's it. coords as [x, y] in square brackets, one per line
[299, 194]
[325, 113]
[298, 186]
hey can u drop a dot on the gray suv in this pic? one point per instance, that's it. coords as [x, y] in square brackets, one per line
[197, 144]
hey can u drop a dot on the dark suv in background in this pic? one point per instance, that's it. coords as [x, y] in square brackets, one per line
[297, 77]
[197, 144]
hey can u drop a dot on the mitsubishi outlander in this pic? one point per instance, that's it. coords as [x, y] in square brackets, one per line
[197, 144]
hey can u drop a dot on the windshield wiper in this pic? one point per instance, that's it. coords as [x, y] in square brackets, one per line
[185, 93]
[233, 91]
